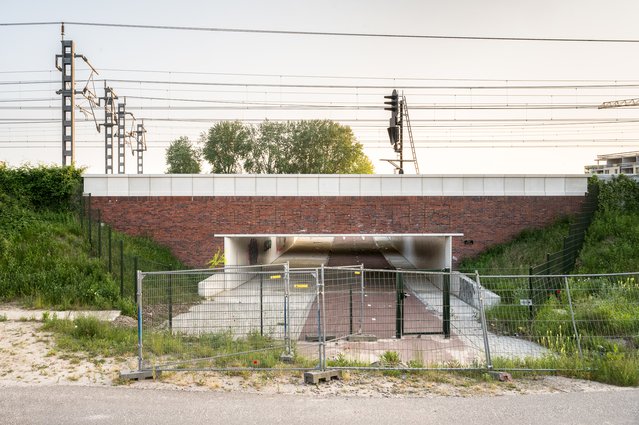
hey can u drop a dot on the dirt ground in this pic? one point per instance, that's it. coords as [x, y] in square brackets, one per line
[28, 356]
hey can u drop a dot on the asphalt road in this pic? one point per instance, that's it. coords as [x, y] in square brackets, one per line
[121, 405]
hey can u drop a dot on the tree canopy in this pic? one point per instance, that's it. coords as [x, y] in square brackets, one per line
[182, 157]
[294, 147]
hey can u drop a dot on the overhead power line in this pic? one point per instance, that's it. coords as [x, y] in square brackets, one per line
[328, 33]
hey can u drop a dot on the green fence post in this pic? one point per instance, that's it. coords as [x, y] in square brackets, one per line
[110, 251]
[90, 226]
[82, 213]
[399, 305]
[531, 312]
[99, 234]
[446, 303]
[122, 268]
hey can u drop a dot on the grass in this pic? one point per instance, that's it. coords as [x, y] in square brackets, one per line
[46, 260]
[515, 257]
[91, 336]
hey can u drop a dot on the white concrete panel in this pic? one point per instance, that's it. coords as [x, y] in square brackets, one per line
[287, 185]
[139, 186]
[349, 186]
[433, 186]
[96, 186]
[308, 186]
[266, 186]
[224, 186]
[575, 185]
[391, 186]
[245, 186]
[118, 186]
[554, 185]
[534, 186]
[411, 186]
[370, 186]
[494, 186]
[333, 185]
[203, 186]
[181, 185]
[473, 186]
[329, 186]
[160, 186]
[453, 186]
[514, 186]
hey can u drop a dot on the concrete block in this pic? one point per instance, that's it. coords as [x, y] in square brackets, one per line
[308, 186]
[181, 186]
[160, 186]
[224, 186]
[118, 186]
[203, 186]
[287, 358]
[315, 376]
[349, 185]
[266, 186]
[139, 186]
[362, 338]
[245, 186]
[329, 186]
[96, 186]
[371, 186]
[453, 186]
[287, 186]
[391, 185]
[501, 376]
[141, 375]
[411, 186]
[432, 186]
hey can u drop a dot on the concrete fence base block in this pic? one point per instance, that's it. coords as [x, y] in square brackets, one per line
[362, 338]
[315, 338]
[501, 376]
[141, 375]
[286, 358]
[315, 376]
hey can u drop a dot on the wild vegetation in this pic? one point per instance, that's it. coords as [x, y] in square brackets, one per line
[45, 259]
[605, 308]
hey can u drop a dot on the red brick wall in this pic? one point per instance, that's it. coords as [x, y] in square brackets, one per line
[187, 224]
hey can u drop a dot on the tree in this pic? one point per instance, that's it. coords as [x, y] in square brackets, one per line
[182, 157]
[294, 147]
[227, 145]
[326, 147]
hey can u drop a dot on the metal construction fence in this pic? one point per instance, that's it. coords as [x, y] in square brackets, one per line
[276, 317]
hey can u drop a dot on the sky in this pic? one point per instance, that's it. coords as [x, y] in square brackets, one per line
[475, 106]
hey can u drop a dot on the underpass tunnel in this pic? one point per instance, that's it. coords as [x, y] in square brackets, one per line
[374, 251]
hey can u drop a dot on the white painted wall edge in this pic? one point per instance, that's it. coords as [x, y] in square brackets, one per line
[335, 185]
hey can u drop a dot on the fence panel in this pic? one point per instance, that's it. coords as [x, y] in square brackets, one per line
[606, 313]
[230, 318]
[401, 319]
[575, 316]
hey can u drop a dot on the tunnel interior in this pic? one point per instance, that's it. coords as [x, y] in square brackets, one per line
[374, 251]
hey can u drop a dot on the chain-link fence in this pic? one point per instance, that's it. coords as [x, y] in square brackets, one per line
[264, 317]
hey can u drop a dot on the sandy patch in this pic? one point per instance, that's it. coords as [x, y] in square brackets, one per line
[28, 356]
